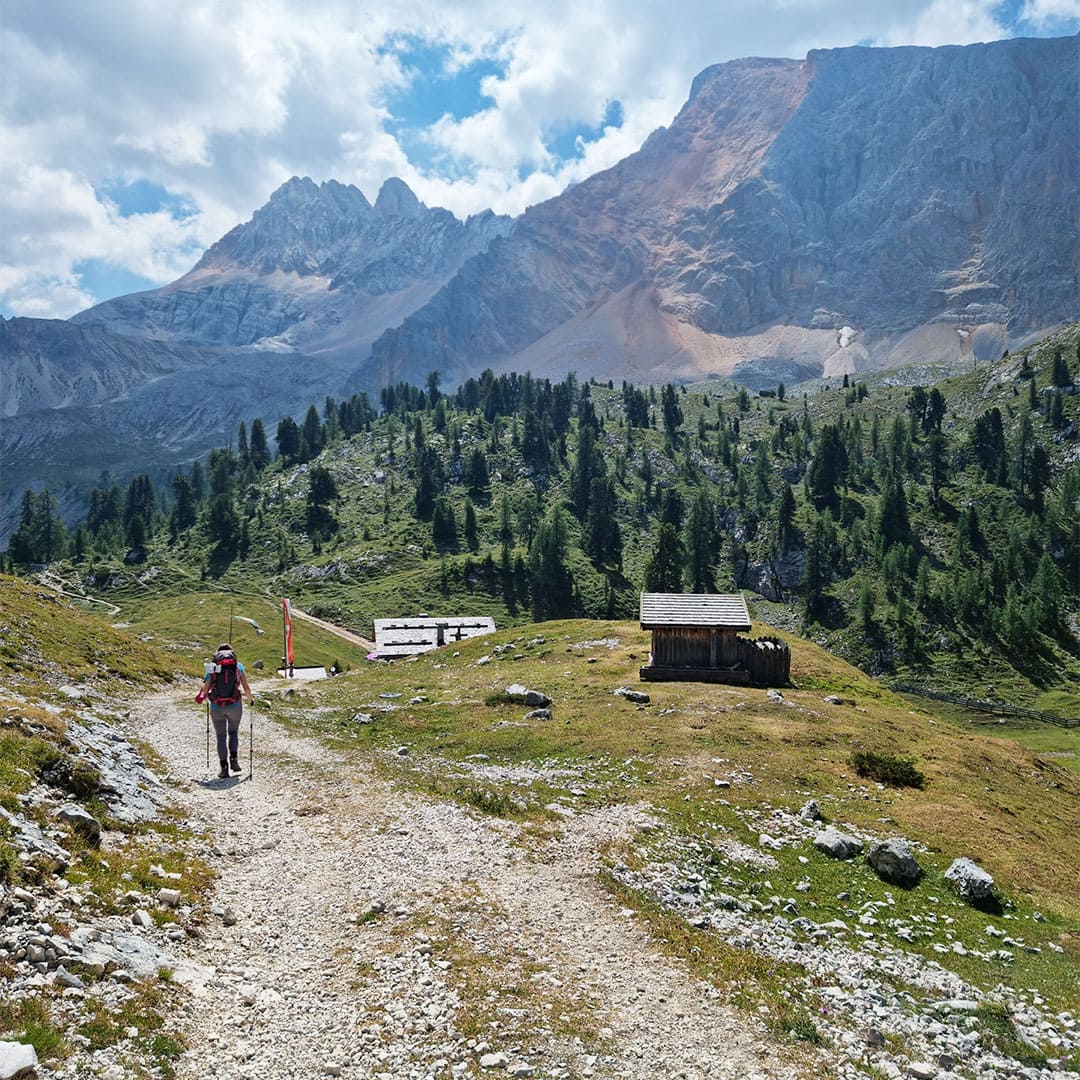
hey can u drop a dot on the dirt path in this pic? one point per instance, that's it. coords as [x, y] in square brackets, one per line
[348, 635]
[383, 934]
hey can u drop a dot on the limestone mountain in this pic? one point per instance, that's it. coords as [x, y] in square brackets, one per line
[858, 209]
[318, 269]
[274, 316]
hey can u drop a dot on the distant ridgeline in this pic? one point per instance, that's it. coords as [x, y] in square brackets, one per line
[862, 209]
[907, 527]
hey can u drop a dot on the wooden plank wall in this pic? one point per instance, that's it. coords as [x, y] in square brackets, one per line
[685, 646]
[767, 659]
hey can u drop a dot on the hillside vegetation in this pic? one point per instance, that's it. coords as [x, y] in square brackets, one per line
[925, 532]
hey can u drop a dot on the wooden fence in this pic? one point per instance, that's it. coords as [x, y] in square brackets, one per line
[768, 659]
[1000, 708]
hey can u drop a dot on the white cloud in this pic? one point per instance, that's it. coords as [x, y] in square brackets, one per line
[1050, 13]
[948, 22]
[220, 101]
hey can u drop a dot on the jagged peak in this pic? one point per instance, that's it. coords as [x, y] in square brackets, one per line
[295, 187]
[298, 190]
[396, 199]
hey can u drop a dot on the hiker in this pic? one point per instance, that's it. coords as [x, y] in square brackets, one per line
[224, 684]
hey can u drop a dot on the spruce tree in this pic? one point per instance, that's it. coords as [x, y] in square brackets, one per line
[472, 541]
[663, 573]
[258, 450]
[550, 582]
[700, 545]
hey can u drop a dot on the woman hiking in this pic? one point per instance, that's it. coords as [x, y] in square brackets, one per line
[224, 684]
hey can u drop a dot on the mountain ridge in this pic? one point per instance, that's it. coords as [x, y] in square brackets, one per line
[859, 209]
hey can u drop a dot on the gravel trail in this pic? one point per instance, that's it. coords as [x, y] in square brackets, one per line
[379, 933]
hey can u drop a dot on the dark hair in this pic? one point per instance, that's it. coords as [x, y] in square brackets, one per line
[224, 647]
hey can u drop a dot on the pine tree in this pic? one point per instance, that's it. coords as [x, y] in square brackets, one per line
[443, 523]
[427, 484]
[550, 582]
[827, 469]
[672, 414]
[700, 545]
[258, 451]
[785, 519]
[1060, 375]
[1057, 411]
[322, 495]
[477, 477]
[866, 606]
[663, 574]
[472, 541]
[603, 538]
[818, 569]
[184, 510]
[893, 521]
[288, 440]
[937, 464]
[312, 435]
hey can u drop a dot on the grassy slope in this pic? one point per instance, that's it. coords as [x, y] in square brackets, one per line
[985, 797]
[1012, 809]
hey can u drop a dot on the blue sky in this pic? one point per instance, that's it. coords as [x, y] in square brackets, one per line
[134, 135]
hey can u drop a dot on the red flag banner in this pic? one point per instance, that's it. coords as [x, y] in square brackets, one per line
[287, 615]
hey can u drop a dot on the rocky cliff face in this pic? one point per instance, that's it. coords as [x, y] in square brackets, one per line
[844, 212]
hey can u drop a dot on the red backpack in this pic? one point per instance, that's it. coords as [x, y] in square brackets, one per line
[225, 687]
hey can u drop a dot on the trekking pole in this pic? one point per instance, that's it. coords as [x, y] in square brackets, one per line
[251, 739]
[208, 733]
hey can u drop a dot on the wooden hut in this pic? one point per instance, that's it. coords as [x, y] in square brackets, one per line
[695, 637]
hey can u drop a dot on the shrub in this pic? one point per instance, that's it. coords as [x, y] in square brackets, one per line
[886, 769]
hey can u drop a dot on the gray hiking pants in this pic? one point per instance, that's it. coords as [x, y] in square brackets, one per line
[226, 720]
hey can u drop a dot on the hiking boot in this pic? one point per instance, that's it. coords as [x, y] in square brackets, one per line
[234, 764]
[224, 774]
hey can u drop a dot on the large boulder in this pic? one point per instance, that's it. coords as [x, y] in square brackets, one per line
[16, 1059]
[81, 822]
[893, 861]
[837, 844]
[535, 699]
[972, 883]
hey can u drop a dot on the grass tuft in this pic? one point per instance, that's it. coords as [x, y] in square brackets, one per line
[887, 769]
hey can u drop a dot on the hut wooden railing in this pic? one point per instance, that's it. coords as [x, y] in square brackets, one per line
[768, 659]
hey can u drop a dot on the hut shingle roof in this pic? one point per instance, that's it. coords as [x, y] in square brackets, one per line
[725, 610]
